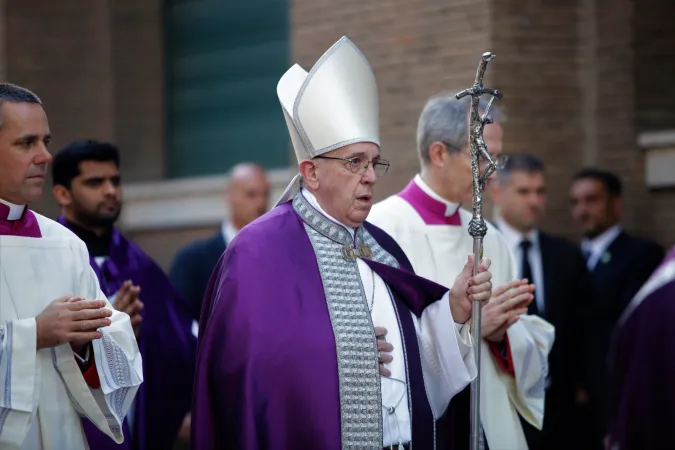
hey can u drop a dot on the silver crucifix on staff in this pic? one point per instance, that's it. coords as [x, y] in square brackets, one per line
[477, 227]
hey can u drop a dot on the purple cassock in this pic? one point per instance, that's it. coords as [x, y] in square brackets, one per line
[166, 343]
[643, 366]
[287, 357]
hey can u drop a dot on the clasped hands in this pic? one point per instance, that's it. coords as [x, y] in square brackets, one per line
[76, 320]
[502, 308]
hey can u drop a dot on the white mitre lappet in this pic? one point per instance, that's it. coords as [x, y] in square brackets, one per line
[334, 105]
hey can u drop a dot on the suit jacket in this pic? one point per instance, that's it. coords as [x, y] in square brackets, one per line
[567, 289]
[192, 268]
[619, 274]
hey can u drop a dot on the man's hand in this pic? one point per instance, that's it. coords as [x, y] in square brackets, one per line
[468, 289]
[383, 349]
[71, 319]
[507, 304]
[127, 301]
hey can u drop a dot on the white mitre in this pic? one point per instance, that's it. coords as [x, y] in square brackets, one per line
[334, 105]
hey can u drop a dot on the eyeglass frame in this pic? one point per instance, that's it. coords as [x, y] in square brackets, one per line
[374, 163]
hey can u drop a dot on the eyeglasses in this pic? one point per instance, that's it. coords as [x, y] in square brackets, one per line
[499, 160]
[359, 164]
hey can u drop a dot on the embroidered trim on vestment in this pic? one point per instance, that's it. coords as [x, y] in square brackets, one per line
[356, 347]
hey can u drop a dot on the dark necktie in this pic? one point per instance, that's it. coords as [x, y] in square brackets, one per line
[526, 272]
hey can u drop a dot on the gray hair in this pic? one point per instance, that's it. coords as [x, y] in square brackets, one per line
[11, 93]
[521, 162]
[446, 119]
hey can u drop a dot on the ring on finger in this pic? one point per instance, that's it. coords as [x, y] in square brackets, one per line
[379, 356]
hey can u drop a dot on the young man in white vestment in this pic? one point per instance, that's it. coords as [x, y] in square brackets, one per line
[65, 353]
[427, 221]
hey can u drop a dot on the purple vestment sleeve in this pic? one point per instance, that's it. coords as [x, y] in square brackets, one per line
[643, 370]
[267, 375]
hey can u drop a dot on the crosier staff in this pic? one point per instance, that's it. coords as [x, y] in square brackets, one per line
[477, 227]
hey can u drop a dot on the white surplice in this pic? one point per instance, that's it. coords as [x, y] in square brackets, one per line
[448, 364]
[439, 252]
[44, 394]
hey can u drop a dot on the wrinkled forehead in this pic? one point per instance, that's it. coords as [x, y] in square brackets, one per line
[367, 149]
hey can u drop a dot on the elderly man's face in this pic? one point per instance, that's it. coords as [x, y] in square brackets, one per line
[343, 194]
[24, 137]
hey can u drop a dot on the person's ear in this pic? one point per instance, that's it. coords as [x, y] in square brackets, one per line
[437, 153]
[309, 171]
[62, 196]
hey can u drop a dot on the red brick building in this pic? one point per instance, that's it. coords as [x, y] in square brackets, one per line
[187, 87]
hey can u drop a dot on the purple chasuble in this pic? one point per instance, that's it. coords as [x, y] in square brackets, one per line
[167, 347]
[267, 372]
[643, 367]
[25, 226]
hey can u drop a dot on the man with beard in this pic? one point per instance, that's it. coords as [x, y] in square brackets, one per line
[619, 264]
[87, 186]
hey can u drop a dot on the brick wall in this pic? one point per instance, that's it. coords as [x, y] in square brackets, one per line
[581, 79]
[97, 66]
[567, 70]
[653, 76]
[416, 48]
[537, 59]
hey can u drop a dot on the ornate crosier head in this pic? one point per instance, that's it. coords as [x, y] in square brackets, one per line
[477, 144]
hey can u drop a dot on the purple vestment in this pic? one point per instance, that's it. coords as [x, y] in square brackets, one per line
[267, 371]
[643, 367]
[166, 344]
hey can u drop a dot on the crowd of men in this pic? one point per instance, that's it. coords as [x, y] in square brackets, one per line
[328, 321]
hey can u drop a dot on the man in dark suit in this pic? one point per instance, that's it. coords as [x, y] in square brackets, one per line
[247, 196]
[562, 286]
[619, 265]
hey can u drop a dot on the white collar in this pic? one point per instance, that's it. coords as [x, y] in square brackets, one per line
[15, 211]
[514, 236]
[311, 198]
[229, 231]
[450, 207]
[600, 243]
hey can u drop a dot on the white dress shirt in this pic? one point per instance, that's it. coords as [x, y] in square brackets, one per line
[514, 238]
[229, 231]
[432, 329]
[597, 246]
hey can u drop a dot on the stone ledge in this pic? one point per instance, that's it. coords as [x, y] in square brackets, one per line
[656, 139]
[659, 148]
[185, 203]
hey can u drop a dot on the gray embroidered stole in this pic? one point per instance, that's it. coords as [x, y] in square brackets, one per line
[358, 370]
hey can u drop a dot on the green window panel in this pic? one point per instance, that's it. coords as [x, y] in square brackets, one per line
[224, 59]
